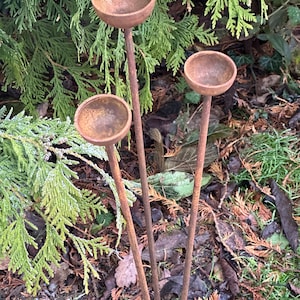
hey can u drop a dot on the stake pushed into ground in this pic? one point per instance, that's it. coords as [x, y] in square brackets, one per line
[208, 73]
[104, 120]
[126, 14]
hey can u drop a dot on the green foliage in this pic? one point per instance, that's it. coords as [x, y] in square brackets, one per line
[40, 62]
[173, 185]
[104, 219]
[279, 44]
[278, 157]
[189, 95]
[294, 15]
[279, 29]
[271, 275]
[239, 17]
[192, 97]
[182, 86]
[241, 59]
[271, 63]
[62, 53]
[36, 177]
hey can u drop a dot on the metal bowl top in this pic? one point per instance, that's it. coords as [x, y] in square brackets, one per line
[210, 73]
[103, 119]
[123, 13]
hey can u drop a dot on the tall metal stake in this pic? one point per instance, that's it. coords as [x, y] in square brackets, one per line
[115, 169]
[196, 195]
[126, 14]
[209, 73]
[141, 155]
[103, 120]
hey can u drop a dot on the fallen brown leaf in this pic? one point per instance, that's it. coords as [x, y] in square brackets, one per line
[285, 211]
[61, 273]
[230, 276]
[166, 244]
[230, 235]
[197, 287]
[295, 289]
[294, 122]
[267, 83]
[264, 213]
[126, 273]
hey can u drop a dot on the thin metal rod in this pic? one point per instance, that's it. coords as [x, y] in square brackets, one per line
[196, 195]
[141, 156]
[115, 170]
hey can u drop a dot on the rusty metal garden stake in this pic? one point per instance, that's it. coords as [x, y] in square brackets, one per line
[209, 73]
[141, 157]
[196, 193]
[103, 120]
[115, 170]
[126, 14]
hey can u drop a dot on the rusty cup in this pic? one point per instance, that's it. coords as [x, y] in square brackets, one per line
[123, 13]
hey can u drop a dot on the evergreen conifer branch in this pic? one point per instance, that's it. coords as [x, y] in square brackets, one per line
[14, 61]
[25, 13]
[14, 241]
[263, 11]
[36, 176]
[120, 221]
[48, 255]
[47, 48]
[57, 13]
[92, 247]
[89, 205]
[240, 16]
[55, 41]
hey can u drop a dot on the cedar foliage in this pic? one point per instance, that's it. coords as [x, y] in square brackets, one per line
[59, 51]
[36, 159]
[240, 18]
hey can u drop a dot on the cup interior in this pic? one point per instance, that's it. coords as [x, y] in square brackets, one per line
[210, 72]
[103, 119]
